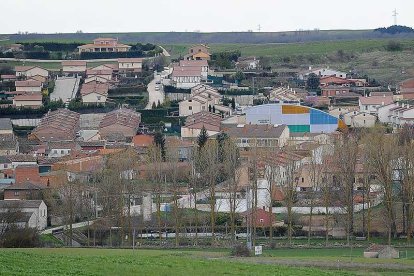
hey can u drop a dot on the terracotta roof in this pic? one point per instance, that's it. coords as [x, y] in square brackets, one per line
[143, 140]
[377, 100]
[186, 72]
[6, 77]
[98, 72]
[203, 117]
[26, 68]
[73, 63]
[38, 78]
[254, 131]
[28, 83]
[22, 158]
[61, 124]
[28, 97]
[193, 63]
[89, 46]
[122, 116]
[19, 203]
[98, 88]
[120, 60]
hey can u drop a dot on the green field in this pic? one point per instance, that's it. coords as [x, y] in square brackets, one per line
[292, 49]
[138, 262]
[66, 261]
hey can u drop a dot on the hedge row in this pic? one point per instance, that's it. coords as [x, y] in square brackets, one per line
[172, 89]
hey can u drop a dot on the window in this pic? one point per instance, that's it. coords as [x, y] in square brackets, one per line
[190, 108]
[99, 98]
[16, 193]
[303, 179]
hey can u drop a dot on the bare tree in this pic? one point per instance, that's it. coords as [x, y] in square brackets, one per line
[382, 157]
[157, 176]
[345, 160]
[208, 169]
[232, 171]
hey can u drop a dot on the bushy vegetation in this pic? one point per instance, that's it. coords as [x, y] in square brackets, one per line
[51, 46]
[224, 60]
[240, 250]
[395, 29]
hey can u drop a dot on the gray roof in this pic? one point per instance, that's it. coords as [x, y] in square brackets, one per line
[8, 142]
[20, 203]
[254, 131]
[5, 124]
[24, 186]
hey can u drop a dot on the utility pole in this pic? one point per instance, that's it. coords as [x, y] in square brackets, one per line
[394, 14]
[248, 228]
[259, 27]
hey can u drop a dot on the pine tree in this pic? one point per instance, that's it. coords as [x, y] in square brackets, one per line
[202, 137]
[159, 141]
[233, 103]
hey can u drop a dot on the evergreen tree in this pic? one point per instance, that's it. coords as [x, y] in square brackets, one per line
[202, 137]
[154, 106]
[159, 141]
[233, 103]
[214, 109]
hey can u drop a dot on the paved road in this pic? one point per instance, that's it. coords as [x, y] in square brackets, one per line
[155, 95]
[65, 88]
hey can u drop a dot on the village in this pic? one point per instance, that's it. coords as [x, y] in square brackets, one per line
[159, 150]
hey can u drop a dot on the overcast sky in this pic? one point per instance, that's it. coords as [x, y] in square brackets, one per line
[50, 16]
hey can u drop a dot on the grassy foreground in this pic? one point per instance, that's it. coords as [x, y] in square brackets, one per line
[138, 262]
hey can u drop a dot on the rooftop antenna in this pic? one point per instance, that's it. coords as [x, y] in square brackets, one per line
[395, 14]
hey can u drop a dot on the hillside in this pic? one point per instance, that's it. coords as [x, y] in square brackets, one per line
[228, 37]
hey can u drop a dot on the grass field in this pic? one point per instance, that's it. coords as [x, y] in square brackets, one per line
[292, 49]
[138, 262]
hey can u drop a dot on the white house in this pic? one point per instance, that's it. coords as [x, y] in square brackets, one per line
[130, 64]
[186, 78]
[94, 93]
[194, 123]
[28, 86]
[60, 149]
[33, 100]
[98, 79]
[106, 74]
[384, 112]
[371, 104]
[195, 64]
[30, 71]
[29, 213]
[362, 119]
[73, 66]
[202, 98]
[326, 72]
[359, 119]
[401, 114]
